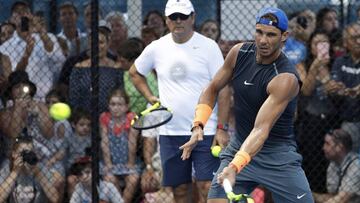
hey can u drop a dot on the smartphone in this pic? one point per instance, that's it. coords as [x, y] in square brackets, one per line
[323, 49]
[302, 21]
[24, 26]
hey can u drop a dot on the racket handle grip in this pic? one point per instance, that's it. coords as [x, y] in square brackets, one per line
[227, 185]
[155, 106]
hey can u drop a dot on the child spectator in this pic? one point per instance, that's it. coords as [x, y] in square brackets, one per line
[82, 193]
[75, 145]
[62, 128]
[119, 144]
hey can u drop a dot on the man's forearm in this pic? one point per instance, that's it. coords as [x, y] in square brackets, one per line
[7, 186]
[224, 105]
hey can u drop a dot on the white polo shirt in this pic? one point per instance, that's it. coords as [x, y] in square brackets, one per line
[183, 71]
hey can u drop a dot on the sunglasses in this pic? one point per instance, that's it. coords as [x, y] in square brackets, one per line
[175, 16]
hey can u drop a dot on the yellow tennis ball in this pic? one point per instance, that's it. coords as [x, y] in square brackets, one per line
[60, 111]
[215, 150]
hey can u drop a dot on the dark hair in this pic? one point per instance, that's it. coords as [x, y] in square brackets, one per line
[149, 30]
[342, 137]
[79, 113]
[19, 2]
[68, 4]
[156, 12]
[3, 148]
[217, 26]
[56, 92]
[321, 15]
[310, 57]
[131, 48]
[118, 91]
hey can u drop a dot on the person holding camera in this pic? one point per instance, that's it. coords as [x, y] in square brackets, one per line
[34, 50]
[301, 26]
[23, 179]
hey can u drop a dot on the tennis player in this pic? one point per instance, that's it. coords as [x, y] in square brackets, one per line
[185, 62]
[266, 85]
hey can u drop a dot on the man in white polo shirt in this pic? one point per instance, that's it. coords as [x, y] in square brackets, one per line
[185, 62]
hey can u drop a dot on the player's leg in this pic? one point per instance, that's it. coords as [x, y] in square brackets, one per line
[283, 176]
[176, 172]
[205, 166]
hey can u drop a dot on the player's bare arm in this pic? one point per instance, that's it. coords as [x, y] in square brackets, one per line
[140, 83]
[282, 89]
[209, 95]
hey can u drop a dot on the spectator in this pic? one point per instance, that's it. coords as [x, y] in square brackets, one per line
[75, 145]
[327, 20]
[128, 52]
[7, 31]
[310, 22]
[69, 64]
[119, 30]
[34, 50]
[25, 112]
[107, 191]
[62, 131]
[119, 143]
[68, 15]
[87, 16]
[23, 179]
[179, 58]
[155, 19]
[19, 8]
[148, 34]
[316, 110]
[343, 177]
[345, 83]
[110, 75]
[295, 45]
[211, 29]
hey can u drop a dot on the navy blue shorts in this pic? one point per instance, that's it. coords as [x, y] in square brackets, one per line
[176, 171]
[280, 172]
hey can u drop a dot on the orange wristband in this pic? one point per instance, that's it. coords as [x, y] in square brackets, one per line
[240, 160]
[202, 115]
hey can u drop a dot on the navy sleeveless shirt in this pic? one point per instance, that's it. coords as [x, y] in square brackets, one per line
[250, 81]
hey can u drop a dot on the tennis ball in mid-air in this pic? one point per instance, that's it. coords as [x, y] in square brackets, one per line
[215, 150]
[60, 111]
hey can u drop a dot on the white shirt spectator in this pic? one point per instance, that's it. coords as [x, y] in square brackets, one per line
[41, 64]
[71, 44]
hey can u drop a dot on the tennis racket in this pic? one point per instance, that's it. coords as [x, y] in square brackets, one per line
[235, 198]
[152, 117]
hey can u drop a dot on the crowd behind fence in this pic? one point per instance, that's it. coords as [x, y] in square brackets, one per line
[47, 55]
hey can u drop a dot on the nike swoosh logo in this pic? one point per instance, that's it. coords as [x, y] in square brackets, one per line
[300, 196]
[214, 173]
[248, 83]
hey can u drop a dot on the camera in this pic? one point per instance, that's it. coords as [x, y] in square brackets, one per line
[24, 26]
[29, 157]
[302, 21]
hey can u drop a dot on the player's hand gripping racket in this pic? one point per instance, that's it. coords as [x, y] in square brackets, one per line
[152, 117]
[239, 198]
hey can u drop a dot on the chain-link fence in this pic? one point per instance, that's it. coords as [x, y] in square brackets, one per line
[59, 51]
